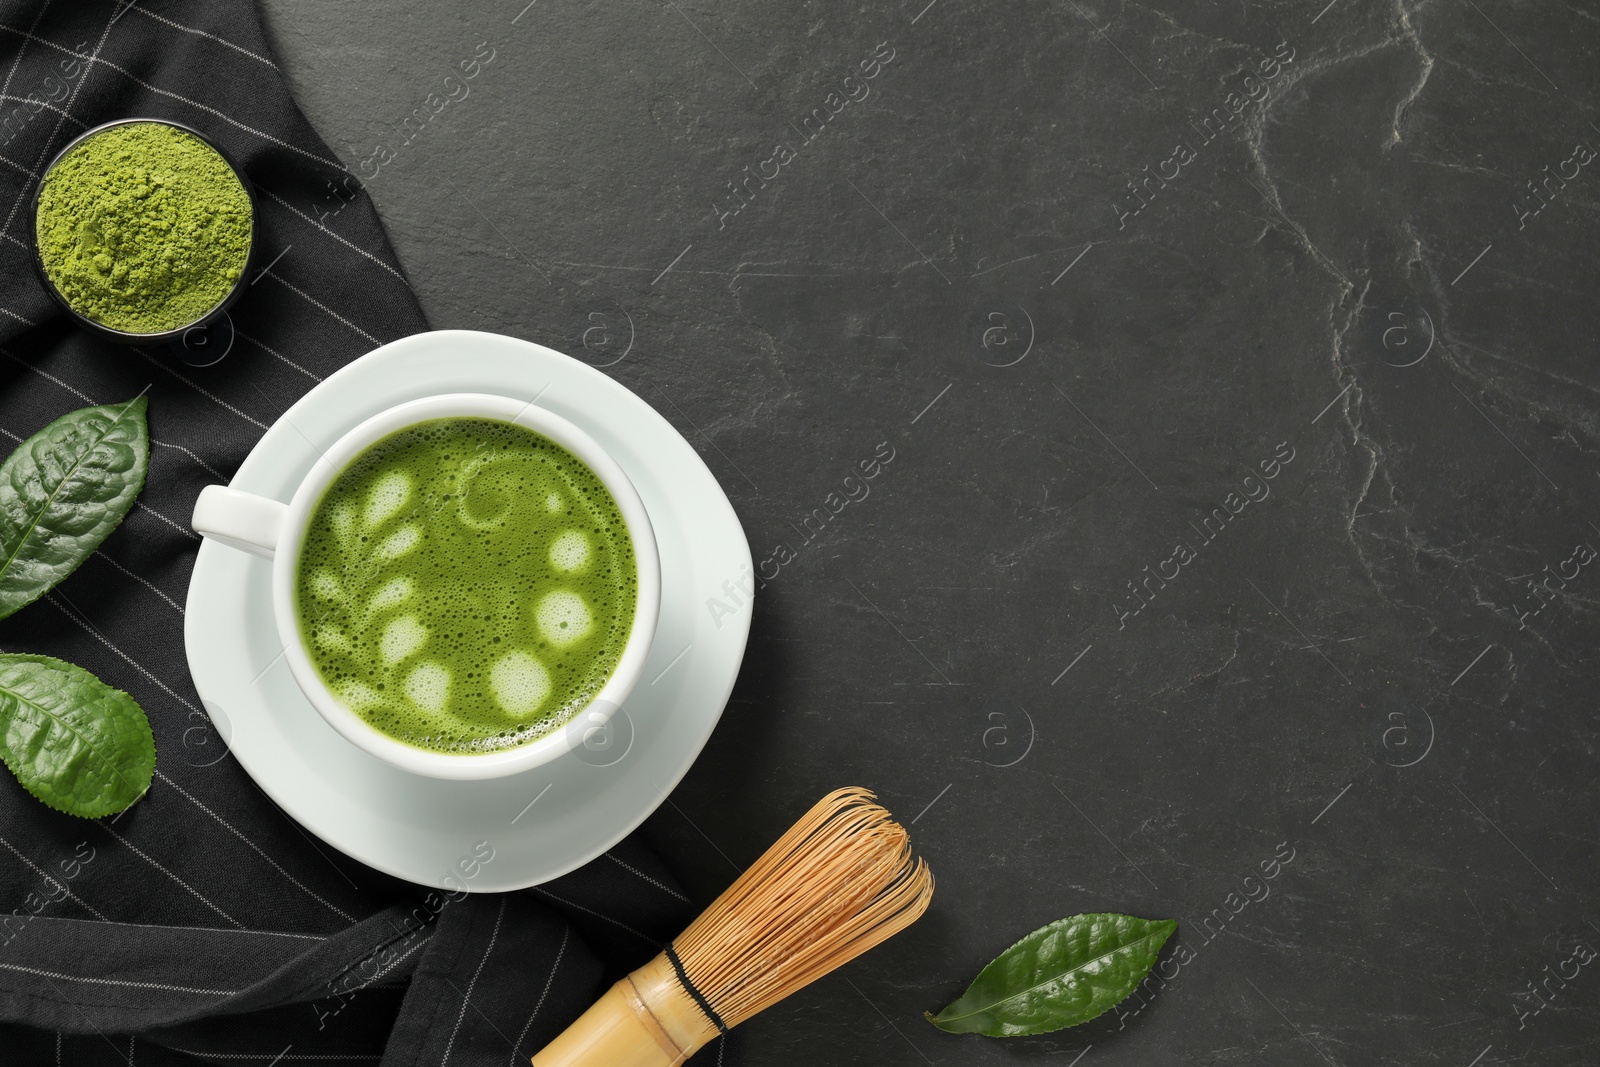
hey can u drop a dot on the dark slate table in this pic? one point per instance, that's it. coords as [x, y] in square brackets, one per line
[1234, 558]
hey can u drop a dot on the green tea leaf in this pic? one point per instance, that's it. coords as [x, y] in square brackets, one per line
[1060, 975]
[62, 491]
[74, 742]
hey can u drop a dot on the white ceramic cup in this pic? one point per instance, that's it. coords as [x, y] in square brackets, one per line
[276, 531]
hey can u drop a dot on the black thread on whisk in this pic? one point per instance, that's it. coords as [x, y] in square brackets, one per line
[694, 994]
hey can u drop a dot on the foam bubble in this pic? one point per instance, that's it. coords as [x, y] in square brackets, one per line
[333, 639]
[401, 638]
[359, 696]
[428, 686]
[563, 618]
[403, 540]
[387, 496]
[553, 502]
[519, 683]
[394, 592]
[325, 585]
[343, 521]
[570, 551]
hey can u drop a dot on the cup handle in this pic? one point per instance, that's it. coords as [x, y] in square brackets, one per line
[239, 520]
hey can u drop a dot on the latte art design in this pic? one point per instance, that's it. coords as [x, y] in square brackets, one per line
[466, 585]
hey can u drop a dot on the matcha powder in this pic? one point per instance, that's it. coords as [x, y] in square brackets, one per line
[143, 228]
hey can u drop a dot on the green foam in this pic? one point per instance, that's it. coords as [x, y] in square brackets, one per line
[466, 585]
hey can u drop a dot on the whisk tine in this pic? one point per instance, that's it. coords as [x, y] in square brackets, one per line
[841, 880]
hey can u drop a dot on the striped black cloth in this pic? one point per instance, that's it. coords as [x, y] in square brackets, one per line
[203, 926]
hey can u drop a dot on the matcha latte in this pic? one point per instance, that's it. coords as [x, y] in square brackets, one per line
[465, 585]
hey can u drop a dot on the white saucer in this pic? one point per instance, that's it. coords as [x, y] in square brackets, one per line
[545, 822]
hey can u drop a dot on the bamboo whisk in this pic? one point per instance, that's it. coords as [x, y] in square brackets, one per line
[839, 882]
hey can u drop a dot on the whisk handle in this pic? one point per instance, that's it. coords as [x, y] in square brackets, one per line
[645, 1020]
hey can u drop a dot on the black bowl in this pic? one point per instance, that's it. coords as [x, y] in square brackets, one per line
[178, 333]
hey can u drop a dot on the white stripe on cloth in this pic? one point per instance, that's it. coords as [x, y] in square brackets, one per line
[30, 173]
[209, 396]
[317, 303]
[397, 961]
[95, 59]
[194, 456]
[659, 885]
[80, 394]
[566, 932]
[596, 914]
[191, 889]
[342, 240]
[277, 1057]
[276, 866]
[272, 352]
[53, 880]
[467, 996]
[45, 104]
[142, 506]
[76, 88]
[118, 982]
[216, 930]
[142, 581]
[51, 599]
[17, 62]
[202, 33]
